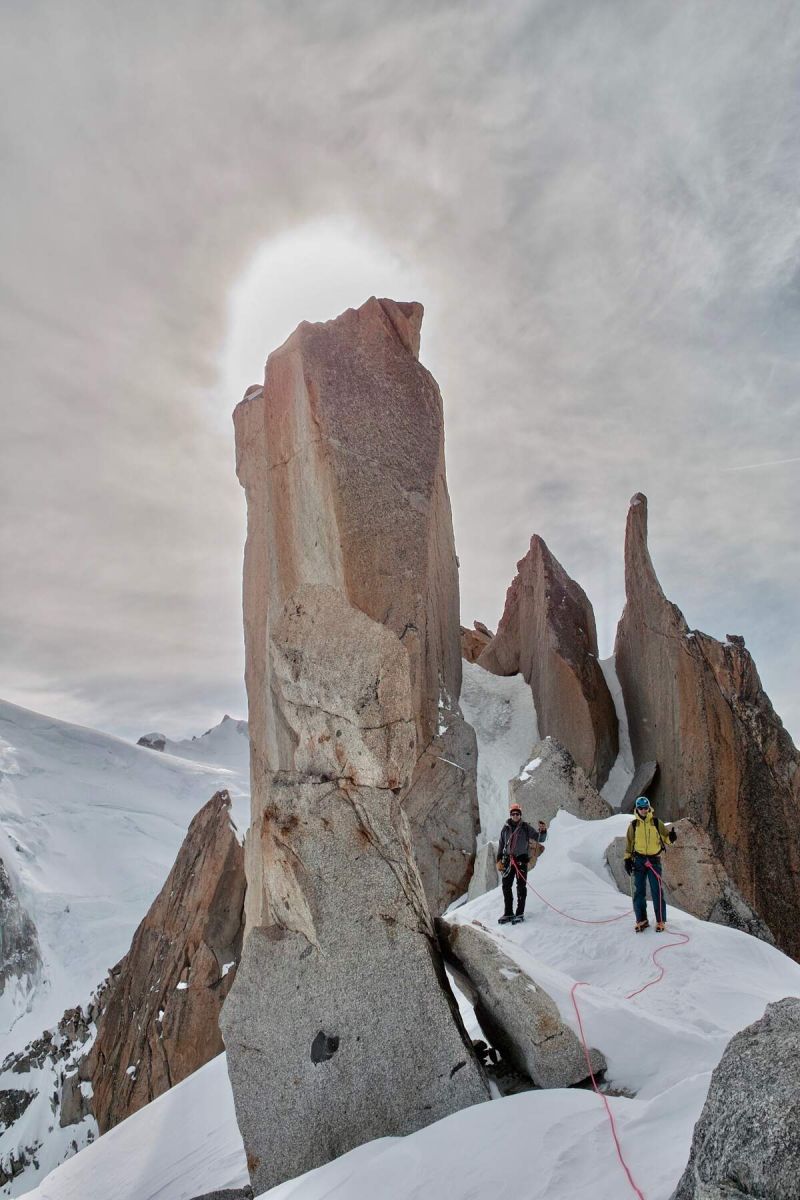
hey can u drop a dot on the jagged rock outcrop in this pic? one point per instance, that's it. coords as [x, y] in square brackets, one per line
[20, 959]
[552, 780]
[353, 669]
[696, 881]
[517, 1016]
[697, 706]
[747, 1141]
[485, 876]
[643, 778]
[160, 1018]
[548, 633]
[474, 641]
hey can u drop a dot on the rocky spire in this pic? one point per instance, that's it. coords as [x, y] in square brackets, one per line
[353, 671]
[160, 1016]
[696, 705]
[547, 632]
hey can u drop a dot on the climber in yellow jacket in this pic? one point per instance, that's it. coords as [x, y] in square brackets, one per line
[647, 837]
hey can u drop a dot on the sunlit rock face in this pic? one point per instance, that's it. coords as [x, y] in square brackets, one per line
[548, 634]
[341, 455]
[353, 674]
[697, 707]
[160, 1017]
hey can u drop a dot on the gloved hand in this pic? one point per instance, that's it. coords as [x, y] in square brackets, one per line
[672, 835]
[499, 865]
[628, 866]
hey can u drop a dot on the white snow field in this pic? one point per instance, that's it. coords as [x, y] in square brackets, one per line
[89, 828]
[660, 1045]
[183, 1144]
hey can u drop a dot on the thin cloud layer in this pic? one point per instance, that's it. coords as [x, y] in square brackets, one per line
[600, 204]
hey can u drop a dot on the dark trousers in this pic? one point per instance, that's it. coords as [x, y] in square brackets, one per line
[509, 875]
[641, 874]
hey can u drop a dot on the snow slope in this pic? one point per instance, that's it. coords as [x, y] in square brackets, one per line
[89, 828]
[184, 1144]
[661, 1045]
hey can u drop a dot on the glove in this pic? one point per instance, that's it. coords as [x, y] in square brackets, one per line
[499, 865]
[628, 866]
[672, 835]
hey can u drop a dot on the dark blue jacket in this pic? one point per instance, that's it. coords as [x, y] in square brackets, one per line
[516, 840]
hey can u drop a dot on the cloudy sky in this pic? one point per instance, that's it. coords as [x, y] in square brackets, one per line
[597, 204]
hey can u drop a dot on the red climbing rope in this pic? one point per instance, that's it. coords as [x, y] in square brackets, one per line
[664, 945]
[661, 972]
[544, 900]
[602, 1096]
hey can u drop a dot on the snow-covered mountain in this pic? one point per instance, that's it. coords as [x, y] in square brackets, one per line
[89, 829]
[661, 1046]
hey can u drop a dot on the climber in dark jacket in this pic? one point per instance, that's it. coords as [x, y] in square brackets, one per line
[519, 842]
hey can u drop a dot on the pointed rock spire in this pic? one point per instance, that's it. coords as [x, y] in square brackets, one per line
[547, 632]
[697, 707]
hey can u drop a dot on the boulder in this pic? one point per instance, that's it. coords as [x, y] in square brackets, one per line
[696, 881]
[474, 641]
[515, 1013]
[697, 707]
[552, 780]
[160, 1019]
[353, 672]
[485, 877]
[747, 1141]
[547, 632]
[643, 778]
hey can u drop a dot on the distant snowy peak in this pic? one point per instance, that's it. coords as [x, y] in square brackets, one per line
[226, 744]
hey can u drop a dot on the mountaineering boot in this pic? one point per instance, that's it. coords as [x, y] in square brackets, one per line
[516, 920]
[660, 926]
[506, 917]
[640, 926]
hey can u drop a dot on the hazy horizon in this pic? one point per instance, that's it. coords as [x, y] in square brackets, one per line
[596, 206]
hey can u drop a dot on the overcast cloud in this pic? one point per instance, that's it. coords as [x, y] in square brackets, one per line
[596, 202]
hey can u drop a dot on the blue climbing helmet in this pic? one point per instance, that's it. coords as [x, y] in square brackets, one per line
[642, 802]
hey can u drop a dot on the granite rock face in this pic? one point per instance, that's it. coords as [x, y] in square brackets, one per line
[160, 1018]
[552, 780]
[697, 707]
[747, 1141]
[353, 673]
[485, 877]
[696, 881]
[547, 632]
[474, 641]
[341, 455]
[643, 778]
[516, 1015]
[20, 959]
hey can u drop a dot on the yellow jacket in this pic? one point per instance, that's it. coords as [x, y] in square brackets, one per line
[646, 835]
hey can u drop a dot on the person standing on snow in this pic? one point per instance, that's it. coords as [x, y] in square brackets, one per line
[519, 842]
[645, 840]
